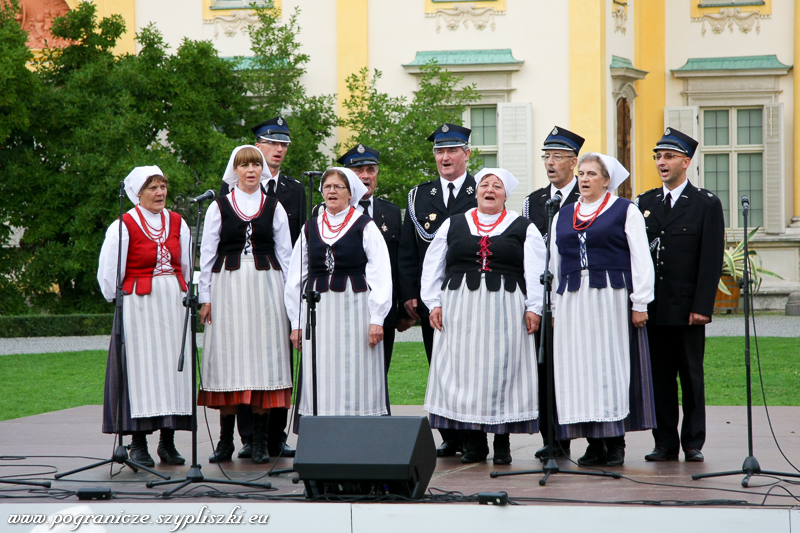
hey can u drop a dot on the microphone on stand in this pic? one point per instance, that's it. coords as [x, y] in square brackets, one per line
[312, 174]
[745, 203]
[208, 195]
[555, 201]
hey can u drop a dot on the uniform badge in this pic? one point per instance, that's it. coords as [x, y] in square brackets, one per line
[433, 191]
[667, 131]
[432, 217]
[555, 131]
[280, 121]
[646, 213]
[470, 190]
[709, 194]
[427, 225]
[384, 227]
[361, 149]
[445, 128]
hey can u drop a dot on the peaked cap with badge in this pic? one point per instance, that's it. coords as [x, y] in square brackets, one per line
[275, 129]
[677, 141]
[359, 156]
[563, 139]
[450, 135]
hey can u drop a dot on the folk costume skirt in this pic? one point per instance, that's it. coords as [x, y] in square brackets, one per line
[246, 353]
[483, 372]
[154, 394]
[603, 382]
[350, 376]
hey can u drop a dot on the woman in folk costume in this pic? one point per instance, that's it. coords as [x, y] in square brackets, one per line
[243, 260]
[350, 269]
[156, 253]
[603, 276]
[480, 279]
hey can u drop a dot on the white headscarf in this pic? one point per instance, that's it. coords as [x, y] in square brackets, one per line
[230, 176]
[509, 181]
[357, 189]
[135, 180]
[616, 171]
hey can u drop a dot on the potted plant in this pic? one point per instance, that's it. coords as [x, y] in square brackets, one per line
[733, 271]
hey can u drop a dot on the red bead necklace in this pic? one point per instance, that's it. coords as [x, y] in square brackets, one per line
[486, 229]
[242, 215]
[335, 229]
[583, 224]
[157, 236]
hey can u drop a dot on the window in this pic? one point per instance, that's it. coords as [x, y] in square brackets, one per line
[483, 123]
[732, 159]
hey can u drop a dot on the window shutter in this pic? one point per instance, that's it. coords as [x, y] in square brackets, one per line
[774, 181]
[515, 148]
[685, 119]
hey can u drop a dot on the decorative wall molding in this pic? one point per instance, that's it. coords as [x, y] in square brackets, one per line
[464, 13]
[620, 19]
[728, 16]
[239, 20]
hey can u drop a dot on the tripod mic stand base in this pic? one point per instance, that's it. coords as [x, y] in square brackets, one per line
[120, 456]
[196, 476]
[750, 468]
[551, 467]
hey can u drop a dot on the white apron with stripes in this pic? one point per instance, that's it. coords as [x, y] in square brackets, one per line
[246, 347]
[350, 377]
[592, 354]
[483, 366]
[153, 331]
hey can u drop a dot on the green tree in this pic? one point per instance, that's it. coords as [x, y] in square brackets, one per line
[399, 128]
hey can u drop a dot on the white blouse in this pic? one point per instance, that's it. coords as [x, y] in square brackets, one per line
[433, 268]
[378, 270]
[107, 267]
[248, 204]
[642, 273]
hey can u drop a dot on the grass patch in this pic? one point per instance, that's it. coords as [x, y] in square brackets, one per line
[42, 383]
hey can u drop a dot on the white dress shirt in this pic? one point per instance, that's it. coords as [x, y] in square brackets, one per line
[676, 192]
[433, 268]
[248, 204]
[457, 183]
[566, 191]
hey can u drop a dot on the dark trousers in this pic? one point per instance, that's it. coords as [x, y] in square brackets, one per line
[677, 352]
[544, 412]
[388, 346]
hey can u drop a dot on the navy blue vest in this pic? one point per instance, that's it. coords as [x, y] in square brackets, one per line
[607, 250]
[349, 258]
[232, 237]
[497, 257]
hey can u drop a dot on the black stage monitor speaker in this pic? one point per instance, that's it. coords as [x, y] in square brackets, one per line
[365, 455]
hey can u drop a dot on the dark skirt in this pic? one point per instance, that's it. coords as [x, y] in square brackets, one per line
[111, 395]
[642, 413]
[528, 426]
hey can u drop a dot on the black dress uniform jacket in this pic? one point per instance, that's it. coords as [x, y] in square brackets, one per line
[686, 247]
[428, 209]
[535, 208]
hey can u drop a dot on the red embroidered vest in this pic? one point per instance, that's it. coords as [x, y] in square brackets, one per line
[143, 255]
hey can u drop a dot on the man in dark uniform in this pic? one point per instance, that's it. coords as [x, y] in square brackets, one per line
[429, 205]
[364, 161]
[686, 230]
[561, 149]
[273, 138]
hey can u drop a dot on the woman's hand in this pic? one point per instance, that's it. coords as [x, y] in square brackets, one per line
[532, 321]
[295, 337]
[436, 318]
[205, 314]
[375, 335]
[639, 318]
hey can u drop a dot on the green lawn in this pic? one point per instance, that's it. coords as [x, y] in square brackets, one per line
[33, 384]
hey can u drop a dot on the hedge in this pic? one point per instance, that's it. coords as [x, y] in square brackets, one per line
[55, 325]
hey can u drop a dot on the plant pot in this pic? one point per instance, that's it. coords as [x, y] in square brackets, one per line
[727, 302]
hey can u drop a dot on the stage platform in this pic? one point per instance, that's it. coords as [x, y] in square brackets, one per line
[650, 497]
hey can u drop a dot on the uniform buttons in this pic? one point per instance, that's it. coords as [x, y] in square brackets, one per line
[661, 278]
[661, 263]
[663, 248]
[662, 233]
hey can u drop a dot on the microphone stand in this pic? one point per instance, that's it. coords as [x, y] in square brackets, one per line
[550, 466]
[120, 455]
[190, 302]
[750, 467]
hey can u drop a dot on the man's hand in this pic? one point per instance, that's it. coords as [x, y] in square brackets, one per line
[405, 323]
[696, 319]
[411, 308]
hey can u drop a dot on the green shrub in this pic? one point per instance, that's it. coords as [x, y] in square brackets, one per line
[55, 325]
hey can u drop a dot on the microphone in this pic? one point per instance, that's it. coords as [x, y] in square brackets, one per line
[555, 201]
[312, 174]
[745, 203]
[208, 195]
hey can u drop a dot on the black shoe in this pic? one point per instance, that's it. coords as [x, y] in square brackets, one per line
[595, 454]
[561, 449]
[138, 449]
[661, 453]
[247, 448]
[286, 452]
[166, 448]
[477, 448]
[502, 449]
[693, 455]
[615, 455]
[448, 448]
[225, 448]
[260, 455]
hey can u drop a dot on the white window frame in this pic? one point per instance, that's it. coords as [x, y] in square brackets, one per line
[484, 149]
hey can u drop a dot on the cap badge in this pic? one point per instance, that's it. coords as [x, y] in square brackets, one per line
[433, 191]
[445, 128]
[280, 121]
[470, 190]
[555, 131]
[432, 217]
[361, 149]
[667, 132]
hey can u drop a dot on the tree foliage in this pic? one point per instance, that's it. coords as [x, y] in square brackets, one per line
[398, 128]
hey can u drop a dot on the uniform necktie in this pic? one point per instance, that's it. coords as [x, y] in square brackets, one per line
[451, 200]
[364, 206]
[667, 204]
[271, 188]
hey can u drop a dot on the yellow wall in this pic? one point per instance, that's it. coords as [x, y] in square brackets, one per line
[649, 35]
[352, 47]
[431, 7]
[126, 8]
[588, 72]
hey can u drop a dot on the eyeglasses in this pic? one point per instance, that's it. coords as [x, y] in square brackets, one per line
[554, 157]
[668, 156]
[333, 187]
